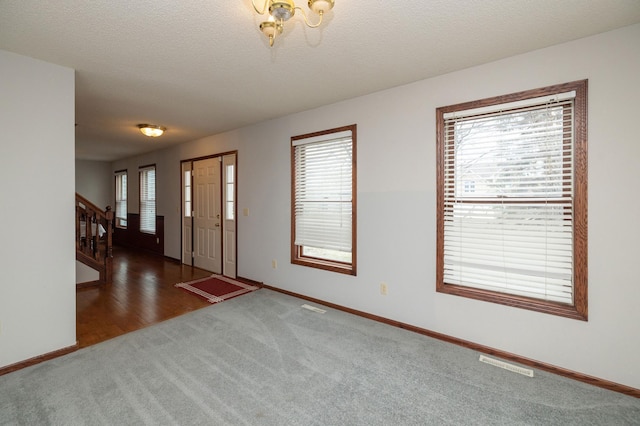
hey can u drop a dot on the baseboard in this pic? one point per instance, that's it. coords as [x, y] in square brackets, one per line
[172, 259]
[250, 281]
[96, 283]
[616, 387]
[38, 359]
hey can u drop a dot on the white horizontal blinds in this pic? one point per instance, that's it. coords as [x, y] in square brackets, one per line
[148, 199]
[508, 219]
[323, 192]
[121, 199]
[511, 106]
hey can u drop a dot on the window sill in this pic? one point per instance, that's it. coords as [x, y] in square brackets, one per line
[340, 268]
[553, 308]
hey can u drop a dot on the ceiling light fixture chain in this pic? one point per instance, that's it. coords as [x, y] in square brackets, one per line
[280, 11]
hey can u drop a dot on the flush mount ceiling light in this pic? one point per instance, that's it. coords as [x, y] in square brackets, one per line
[151, 130]
[282, 10]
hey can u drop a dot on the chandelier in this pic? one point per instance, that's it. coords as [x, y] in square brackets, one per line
[282, 10]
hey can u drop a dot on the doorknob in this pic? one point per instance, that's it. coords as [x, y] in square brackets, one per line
[217, 225]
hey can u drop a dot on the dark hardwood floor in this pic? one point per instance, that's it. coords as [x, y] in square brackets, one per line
[142, 294]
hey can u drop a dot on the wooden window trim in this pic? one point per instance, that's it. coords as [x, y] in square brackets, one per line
[155, 201]
[125, 172]
[296, 251]
[579, 309]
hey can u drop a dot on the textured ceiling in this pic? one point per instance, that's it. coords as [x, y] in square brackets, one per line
[202, 67]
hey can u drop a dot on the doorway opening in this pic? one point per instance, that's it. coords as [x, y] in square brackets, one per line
[209, 212]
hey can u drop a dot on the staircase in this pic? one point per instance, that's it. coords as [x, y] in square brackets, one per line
[94, 246]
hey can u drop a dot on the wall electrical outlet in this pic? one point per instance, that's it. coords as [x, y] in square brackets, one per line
[274, 264]
[383, 289]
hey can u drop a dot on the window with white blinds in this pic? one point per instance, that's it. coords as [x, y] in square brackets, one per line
[510, 176]
[121, 199]
[148, 199]
[323, 197]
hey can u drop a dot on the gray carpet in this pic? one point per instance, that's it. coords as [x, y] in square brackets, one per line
[260, 359]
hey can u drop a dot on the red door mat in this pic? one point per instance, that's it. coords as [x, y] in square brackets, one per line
[216, 288]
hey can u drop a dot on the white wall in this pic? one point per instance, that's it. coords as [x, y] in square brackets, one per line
[397, 213]
[37, 258]
[85, 273]
[95, 182]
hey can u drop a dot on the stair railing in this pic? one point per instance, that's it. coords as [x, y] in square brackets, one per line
[94, 233]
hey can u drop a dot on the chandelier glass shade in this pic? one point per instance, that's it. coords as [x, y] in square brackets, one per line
[151, 130]
[280, 11]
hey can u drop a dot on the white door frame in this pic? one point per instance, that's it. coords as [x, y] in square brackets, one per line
[229, 241]
[186, 212]
[229, 214]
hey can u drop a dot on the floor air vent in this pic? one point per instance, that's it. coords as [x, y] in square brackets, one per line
[506, 366]
[314, 309]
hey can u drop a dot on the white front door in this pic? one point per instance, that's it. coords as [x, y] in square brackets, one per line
[207, 221]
